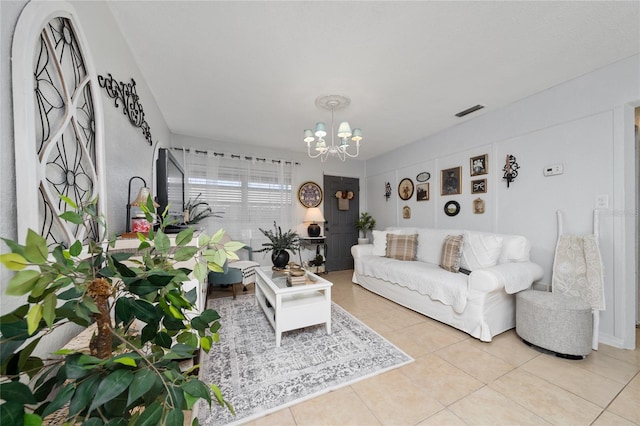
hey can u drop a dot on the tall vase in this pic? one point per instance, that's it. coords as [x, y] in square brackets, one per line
[280, 258]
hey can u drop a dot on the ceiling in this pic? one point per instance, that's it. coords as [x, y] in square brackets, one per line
[249, 72]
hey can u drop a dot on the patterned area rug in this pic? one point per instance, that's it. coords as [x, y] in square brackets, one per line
[257, 378]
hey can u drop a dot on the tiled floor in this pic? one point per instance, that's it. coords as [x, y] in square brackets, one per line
[458, 380]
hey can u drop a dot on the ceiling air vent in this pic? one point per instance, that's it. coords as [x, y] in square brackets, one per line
[469, 110]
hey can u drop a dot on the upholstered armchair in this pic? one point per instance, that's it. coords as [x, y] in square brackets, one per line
[235, 272]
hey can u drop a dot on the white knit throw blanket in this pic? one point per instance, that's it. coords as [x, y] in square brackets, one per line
[577, 269]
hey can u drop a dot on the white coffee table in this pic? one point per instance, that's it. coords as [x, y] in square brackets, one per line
[293, 307]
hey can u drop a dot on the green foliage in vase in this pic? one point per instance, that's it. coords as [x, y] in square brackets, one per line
[145, 325]
[365, 223]
[279, 241]
[199, 210]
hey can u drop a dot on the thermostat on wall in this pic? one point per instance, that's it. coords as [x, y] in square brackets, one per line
[556, 169]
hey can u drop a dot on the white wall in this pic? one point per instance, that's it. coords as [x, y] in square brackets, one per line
[584, 124]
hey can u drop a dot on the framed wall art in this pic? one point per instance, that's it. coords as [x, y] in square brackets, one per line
[405, 189]
[422, 192]
[479, 186]
[479, 165]
[450, 181]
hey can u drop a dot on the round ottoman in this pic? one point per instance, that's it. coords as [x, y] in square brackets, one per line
[554, 322]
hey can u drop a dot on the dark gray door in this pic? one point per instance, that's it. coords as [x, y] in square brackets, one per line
[340, 229]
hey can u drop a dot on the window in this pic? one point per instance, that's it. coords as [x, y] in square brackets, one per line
[247, 193]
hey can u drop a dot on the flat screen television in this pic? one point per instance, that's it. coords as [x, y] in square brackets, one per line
[170, 185]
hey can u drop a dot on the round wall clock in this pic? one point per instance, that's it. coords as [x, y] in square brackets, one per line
[310, 194]
[405, 189]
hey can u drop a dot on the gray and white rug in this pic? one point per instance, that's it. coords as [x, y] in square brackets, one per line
[257, 378]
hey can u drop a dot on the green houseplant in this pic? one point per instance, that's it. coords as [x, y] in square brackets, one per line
[145, 325]
[198, 210]
[364, 224]
[279, 243]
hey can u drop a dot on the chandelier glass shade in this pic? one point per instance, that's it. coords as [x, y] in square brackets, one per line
[348, 144]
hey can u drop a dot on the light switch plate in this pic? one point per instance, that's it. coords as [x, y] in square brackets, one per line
[553, 170]
[602, 201]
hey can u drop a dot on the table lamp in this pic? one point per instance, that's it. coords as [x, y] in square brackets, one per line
[313, 215]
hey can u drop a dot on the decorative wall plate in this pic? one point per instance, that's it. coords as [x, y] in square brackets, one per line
[405, 189]
[452, 208]
[310, 194]
[423, 177]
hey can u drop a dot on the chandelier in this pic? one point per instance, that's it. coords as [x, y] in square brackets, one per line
[345, 135]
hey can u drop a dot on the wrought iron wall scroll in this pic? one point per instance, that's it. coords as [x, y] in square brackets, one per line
[131, 107]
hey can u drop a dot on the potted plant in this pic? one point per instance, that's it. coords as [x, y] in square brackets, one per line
[145, 324]
[198, 210]
[364, 224]
[279, 243]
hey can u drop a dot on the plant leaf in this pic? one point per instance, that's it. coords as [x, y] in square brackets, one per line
[112, 385]
[162, 243]
[126, 360]
[142, 382]
[184, 237]
[11, 413]
[17, 392]
[49, 308]
[69, 202]
[185, 253]
[200, 271]
[13, 261]
[33, 318]
[175, 418]
[75, 249]
[72, 217]
[150, 416]
[35, 250]
[85, 393]
[31, 419]
[60, 399]
[22, 282]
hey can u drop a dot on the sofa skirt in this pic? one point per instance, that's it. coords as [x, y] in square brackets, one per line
[485, 316]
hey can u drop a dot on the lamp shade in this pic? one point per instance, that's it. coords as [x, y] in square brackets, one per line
[357, 135]
[321, 130]
[344, 130]
[308, 136]
[313, 215]
[141, 199]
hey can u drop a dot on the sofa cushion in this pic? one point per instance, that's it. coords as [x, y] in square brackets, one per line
[451, 249]
[379, 242]
[430, 244]
[480, 250]
[402, 247]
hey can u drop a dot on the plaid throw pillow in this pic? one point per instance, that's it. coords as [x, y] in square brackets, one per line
[451, 249]
[402, 247]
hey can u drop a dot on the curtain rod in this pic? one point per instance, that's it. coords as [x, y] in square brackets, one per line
[235, 156]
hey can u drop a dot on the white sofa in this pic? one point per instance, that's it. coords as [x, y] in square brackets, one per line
[481, 303]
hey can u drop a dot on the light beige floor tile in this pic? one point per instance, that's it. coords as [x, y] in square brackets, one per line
[420, 339]
[409, 404]
[545, 399]
[279, 418]
[446, 328]
[479, 364]
[394, 319]
[631, 357]
[341, 407]
[569, 376]
[609, 419]
[488, 407]
[607, 366]
[443, 418]
[508, 347]
[442, 380]
[627, 404]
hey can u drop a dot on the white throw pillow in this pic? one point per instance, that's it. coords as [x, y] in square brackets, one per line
[515, 248]
[379, 242]
[480, 250]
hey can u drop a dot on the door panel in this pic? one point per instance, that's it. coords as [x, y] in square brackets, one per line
[340, 229]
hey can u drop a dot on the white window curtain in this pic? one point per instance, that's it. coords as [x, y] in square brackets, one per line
[246, 192]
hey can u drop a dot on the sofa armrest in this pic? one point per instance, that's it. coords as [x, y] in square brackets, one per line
[361, 250]
[512, 277]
